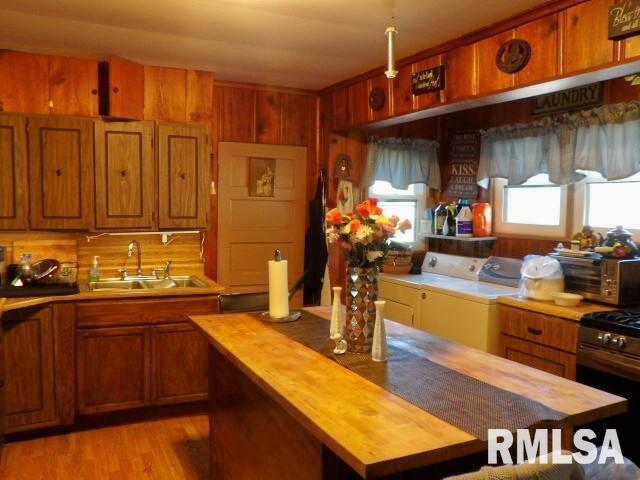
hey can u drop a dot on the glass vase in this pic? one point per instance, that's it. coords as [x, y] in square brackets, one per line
[362, 292]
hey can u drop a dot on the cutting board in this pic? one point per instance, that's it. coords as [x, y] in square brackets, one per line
[58, 249]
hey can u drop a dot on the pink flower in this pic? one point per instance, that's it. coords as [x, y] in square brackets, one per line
[394, 219]
[404, 225]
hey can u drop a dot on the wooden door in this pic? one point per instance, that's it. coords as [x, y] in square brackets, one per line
[179, 364]
[252, 227]
[74, 86]
[126, 89]
[113, 369]
[29, 369]
[125, 175]
[61, 173]
[24, 82]
[183, 176]
[13, 173]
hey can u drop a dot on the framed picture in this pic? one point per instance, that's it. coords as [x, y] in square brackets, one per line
[262, 177]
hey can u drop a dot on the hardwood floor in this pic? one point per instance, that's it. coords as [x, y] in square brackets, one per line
[165, 449]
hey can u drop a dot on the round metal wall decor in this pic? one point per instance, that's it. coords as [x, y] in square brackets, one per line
[513, 55]
[377, 97]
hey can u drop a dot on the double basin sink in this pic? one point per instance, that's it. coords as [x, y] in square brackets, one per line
[146, 283]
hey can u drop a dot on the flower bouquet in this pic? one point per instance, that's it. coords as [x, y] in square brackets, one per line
[365, 235]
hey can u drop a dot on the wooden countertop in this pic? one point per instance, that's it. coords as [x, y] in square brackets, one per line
[84, 294]
[550, 308]
[372, 430]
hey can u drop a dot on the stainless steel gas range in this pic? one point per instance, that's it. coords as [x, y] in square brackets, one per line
[609, 359]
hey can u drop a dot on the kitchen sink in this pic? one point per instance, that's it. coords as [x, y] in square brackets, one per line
[115, 284]
[176, 282]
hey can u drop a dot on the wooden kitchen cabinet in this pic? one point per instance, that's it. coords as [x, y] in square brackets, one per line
[24, 82]
[538, 340]
[461, 73]
[183, 176]
[490, 78]
[113, 369]
[179, 359]
[126, 89]
[543, 34]
[587, 20]
[73, 84]
[13, 173]
[124, 175]
[29, 389]
[61, 173]
[165, 94]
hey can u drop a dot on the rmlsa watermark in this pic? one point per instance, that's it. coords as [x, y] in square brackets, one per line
[535, 445]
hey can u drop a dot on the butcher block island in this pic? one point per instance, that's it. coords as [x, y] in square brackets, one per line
[279, 409]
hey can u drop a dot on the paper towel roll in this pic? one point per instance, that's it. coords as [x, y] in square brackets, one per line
[278, 289]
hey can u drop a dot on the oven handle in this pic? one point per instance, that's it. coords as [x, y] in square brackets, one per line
[609, 362]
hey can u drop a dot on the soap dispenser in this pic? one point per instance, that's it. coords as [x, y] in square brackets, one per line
[94, 270]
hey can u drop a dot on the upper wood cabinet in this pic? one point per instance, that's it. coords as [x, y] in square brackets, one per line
[183, 176]
[461, 73]
[73, 86]
[402, 93]
[61, 173]
[490, 78]
[124, 173]
[165, 94]
[126, 89]
[24, 82]
[13, 173]
[586, 44]
[543, 36]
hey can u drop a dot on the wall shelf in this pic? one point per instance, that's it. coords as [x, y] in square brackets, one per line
[459, 239]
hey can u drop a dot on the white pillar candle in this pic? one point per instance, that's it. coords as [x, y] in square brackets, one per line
[278, 289]
[336, 314]
[379, 347]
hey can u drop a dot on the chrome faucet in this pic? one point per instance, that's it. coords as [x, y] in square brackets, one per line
[134, 243]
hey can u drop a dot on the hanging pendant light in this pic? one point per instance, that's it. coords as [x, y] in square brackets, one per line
[391, 33]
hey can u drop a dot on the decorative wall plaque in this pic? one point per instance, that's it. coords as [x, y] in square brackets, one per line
[429, 80]
[377, 97]
[513, 55]
[624, 19]
[567, 100]
[462, 168]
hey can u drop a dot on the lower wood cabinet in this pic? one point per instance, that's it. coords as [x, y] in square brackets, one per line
[38, 368]
[138, 353]
[541, 341]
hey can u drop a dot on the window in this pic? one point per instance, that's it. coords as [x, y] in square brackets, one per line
[604, 204]
[537, 207]
[407, 203]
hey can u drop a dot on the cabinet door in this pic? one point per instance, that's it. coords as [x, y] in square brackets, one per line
[29, 370]
[113, 368]
[126, 89]
[183, 176]
[61, 173]
[24, 82]
[399, 312]
[490, 78]
[179, 364]
[165, 94]
[461, 73]
[13, 173]
[538, 356]
[124, 175]
[74, 86]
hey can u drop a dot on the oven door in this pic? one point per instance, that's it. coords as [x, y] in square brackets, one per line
[583, 277]
[618, 374]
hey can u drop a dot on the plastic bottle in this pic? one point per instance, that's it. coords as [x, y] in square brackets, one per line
[464, 222]
[94, 270]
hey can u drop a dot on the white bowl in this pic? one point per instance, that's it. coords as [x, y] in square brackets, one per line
[567, 299]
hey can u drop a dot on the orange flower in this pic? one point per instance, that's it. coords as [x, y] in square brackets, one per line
[364, 209]
[404, 225]
[373, 202]
[377, 211]
[354, 225]
[334, 217]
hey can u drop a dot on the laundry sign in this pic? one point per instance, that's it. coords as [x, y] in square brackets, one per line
[464, 156]
[624, 19]
[429, 80]
[568, 100]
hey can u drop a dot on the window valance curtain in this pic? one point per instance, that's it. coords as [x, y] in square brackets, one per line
[604, 140]
[402, 162]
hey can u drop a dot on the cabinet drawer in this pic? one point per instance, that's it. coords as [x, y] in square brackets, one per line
[538, 356]
[112, 313]
[399, 294]
[538, 328]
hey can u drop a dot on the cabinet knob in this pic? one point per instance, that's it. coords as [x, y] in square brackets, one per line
[59, 172]
[94, 91]
[123, 173]
[116, 90]
[181, 175]
[534, 331]
[424, 295]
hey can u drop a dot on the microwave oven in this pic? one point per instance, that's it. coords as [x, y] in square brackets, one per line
[607, 280]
